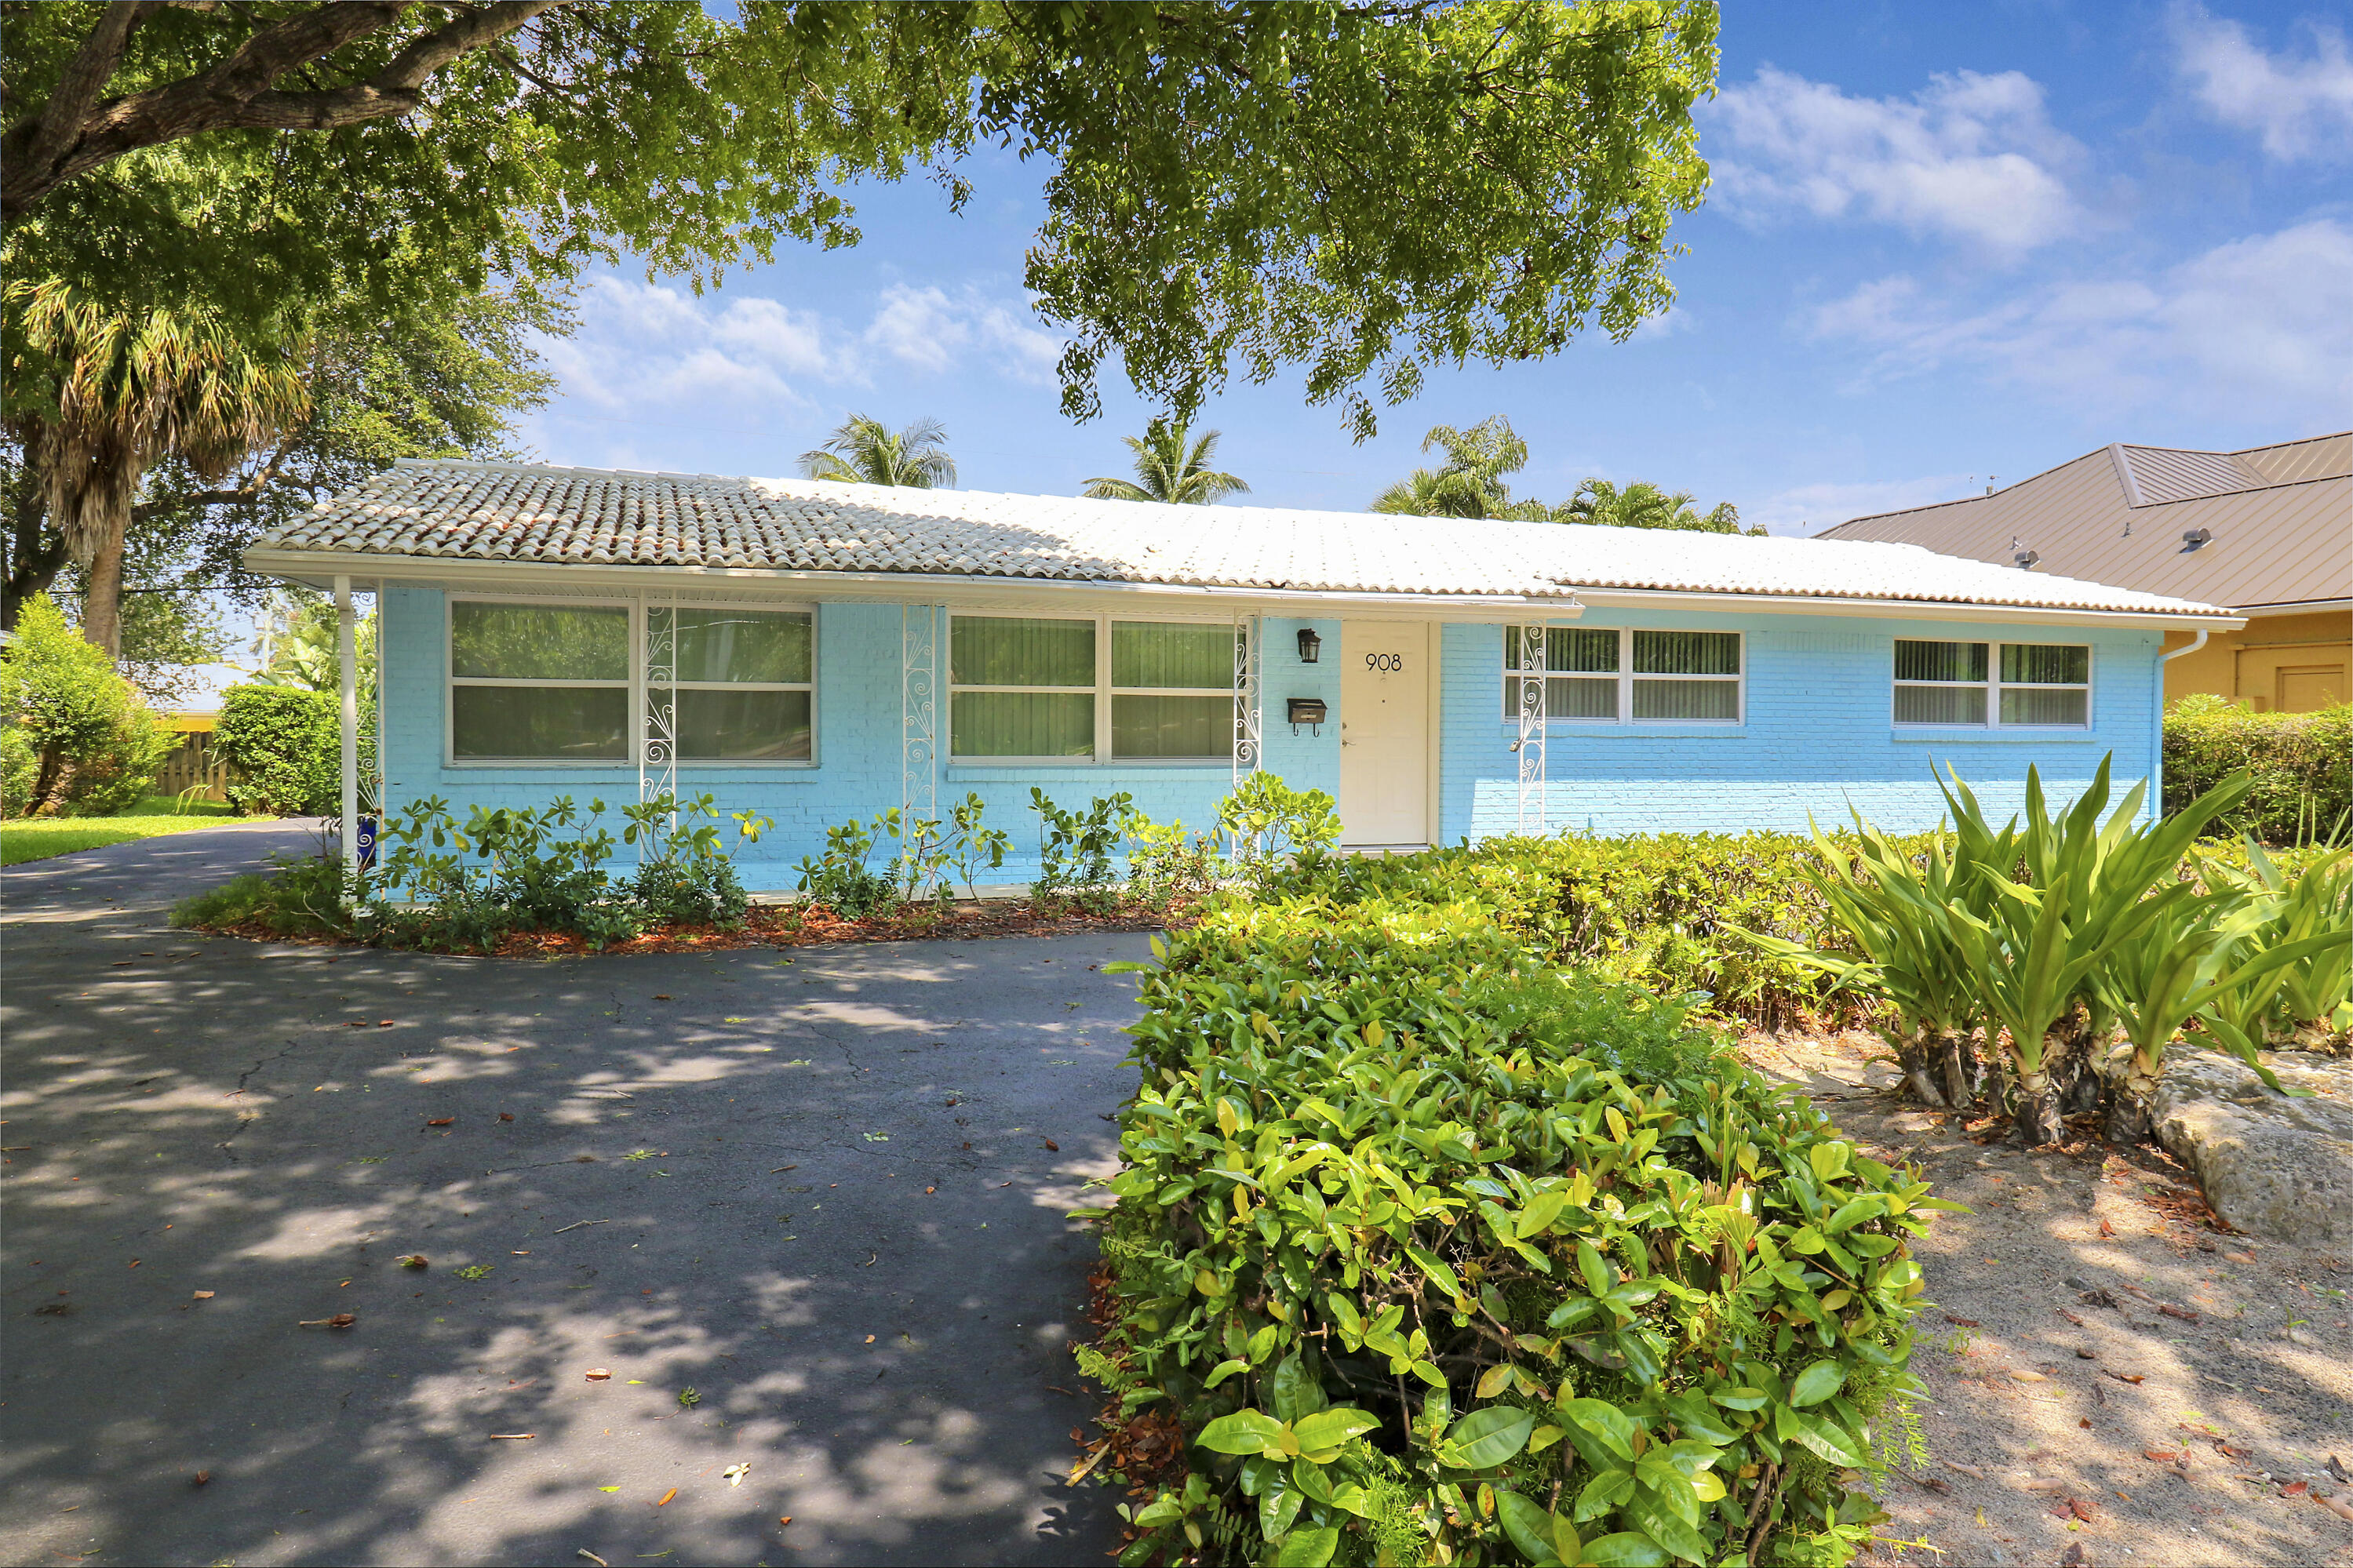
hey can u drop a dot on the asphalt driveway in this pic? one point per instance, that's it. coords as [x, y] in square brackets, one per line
[806, 1207]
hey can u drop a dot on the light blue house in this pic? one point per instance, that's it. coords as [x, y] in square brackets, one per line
[817, 651]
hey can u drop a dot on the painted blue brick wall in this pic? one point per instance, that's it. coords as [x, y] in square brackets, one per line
[1818, 735]
[857, 772]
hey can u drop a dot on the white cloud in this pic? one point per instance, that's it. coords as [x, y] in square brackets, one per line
[2301, 108]
[930, 329]
[2265, 324]
[1970, 156]
[1809, 508]
[640, 338]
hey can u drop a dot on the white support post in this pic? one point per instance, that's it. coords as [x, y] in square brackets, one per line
[1249, 720]
[658, 716]
[1530, 745]
[347, 650]
[919, 713]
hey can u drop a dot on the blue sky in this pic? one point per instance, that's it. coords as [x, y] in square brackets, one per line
[1944, 244]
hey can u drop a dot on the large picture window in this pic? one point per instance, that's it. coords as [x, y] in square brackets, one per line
[539, 682]
[1604, 676]
[1984, 684]
[743, 689]
[555, 682]
[1090, 689]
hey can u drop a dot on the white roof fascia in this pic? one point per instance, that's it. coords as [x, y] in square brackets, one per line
[365, 569]
[1904, 609]
[369, 573]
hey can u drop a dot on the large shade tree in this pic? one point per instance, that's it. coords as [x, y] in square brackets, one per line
[103, 393]
[1643, 504]
[1474, 480]
[1362, 190]
[1172, 466]
[863, 450]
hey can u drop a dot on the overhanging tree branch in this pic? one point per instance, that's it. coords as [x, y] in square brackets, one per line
[69, 137]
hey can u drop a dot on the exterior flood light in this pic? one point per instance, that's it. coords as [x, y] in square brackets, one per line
[1311, 647]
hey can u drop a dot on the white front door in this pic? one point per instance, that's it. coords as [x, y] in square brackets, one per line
[1384, 733]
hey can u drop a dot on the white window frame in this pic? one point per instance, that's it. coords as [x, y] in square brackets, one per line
[1101, 691]
[1626, 677]
[1993, 687]
[809, 686]
[638, 690]
[633, 683]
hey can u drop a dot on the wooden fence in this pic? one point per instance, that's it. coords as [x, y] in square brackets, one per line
[194, 762]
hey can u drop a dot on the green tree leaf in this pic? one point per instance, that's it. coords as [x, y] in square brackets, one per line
[1242, 1432]
[1816, 1383]
[1488, 1437]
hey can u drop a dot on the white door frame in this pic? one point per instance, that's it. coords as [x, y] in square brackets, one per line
[1423, 640]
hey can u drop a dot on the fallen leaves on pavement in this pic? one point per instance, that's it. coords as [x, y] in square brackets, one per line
[339, 1321]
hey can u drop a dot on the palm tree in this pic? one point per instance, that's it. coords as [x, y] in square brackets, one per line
[1167, 470]
[863, 452]
[1470, 483]
[1644, 505]
[117, 391]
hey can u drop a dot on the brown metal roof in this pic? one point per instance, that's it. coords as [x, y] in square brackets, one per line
[2280, 520]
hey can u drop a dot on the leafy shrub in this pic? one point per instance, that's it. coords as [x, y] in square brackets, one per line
[19, 766]
[1166, 863]
[301, 895]
[85, 745]
[2300, 765]
[284, 749]
[517, 870]
[1074, 847]
[1660, 911]
[1445, 1256]
[1268, 824]
[840, 879]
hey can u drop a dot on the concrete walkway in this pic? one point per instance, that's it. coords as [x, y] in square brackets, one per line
[806, 1207]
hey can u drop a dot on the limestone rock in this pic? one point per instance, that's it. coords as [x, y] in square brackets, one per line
[2272, 1165]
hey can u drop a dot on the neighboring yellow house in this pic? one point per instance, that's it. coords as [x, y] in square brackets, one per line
[2268, 531]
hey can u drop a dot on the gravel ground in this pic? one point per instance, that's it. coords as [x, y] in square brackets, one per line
[2086, 1317]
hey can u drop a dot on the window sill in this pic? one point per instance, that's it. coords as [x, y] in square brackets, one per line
[977, 772]
[1640, 730]
[2011, 735]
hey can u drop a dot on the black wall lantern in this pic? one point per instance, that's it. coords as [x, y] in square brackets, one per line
[1311, 647]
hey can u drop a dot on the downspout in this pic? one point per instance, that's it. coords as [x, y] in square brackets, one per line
[348, 722]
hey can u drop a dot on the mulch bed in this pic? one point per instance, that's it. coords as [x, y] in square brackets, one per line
[793, 925]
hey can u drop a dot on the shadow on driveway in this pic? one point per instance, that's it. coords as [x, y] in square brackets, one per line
[827, 1188]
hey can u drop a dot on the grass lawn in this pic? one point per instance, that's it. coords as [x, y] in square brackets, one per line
[38, 837]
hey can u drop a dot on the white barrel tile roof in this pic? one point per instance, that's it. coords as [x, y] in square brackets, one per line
[506, 512]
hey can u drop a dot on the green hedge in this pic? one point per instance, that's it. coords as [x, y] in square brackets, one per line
[1442, 1255]
[2302, 765]
[78, 739]
[283, 746]
[1653, 910]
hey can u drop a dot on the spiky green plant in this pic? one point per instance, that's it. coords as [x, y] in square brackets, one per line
[2310, 1000]
[2087, 890]
[2189, 961]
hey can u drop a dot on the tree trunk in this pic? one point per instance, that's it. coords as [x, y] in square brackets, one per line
[1915, 1052]
[44, 781]
[1957, 1059]
[2038, 1105]
[2132, 1102]
[102, 608]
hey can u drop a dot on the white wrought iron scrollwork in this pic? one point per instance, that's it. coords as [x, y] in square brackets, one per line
[657, 742]
[1530, 746]
[1249, 635]
[919, 712]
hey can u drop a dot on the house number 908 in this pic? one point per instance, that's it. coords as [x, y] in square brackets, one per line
[1388, 661]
